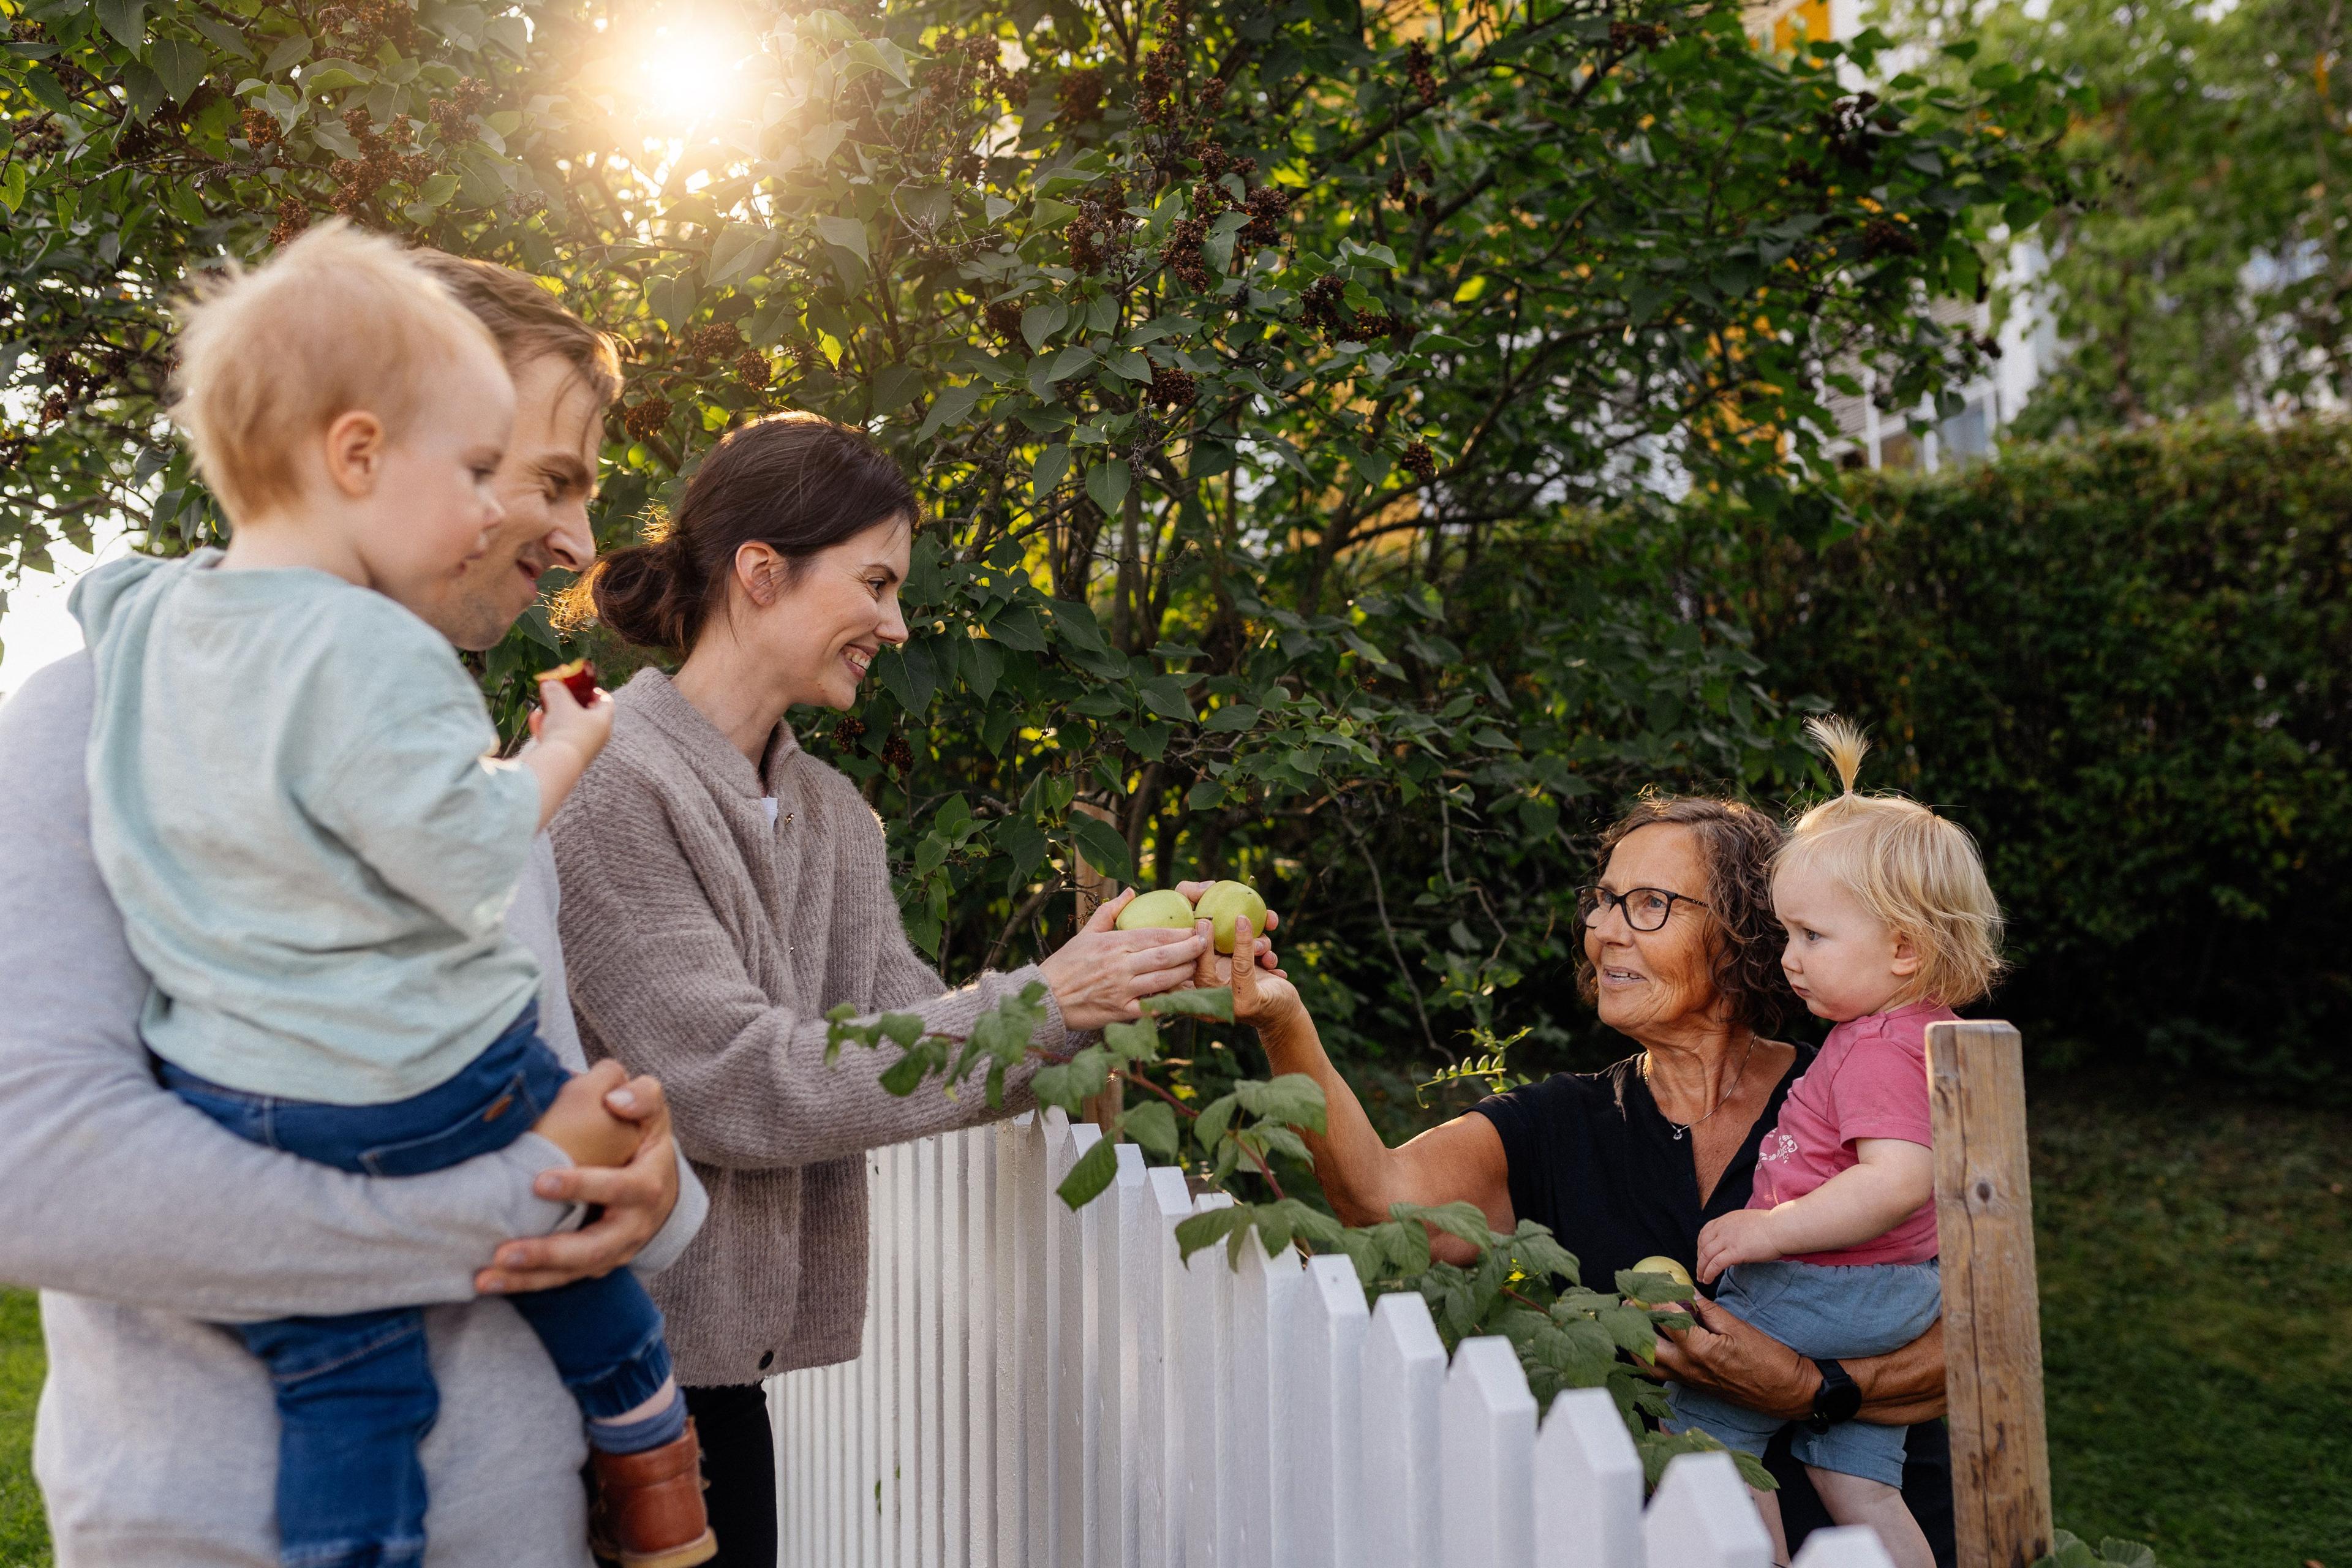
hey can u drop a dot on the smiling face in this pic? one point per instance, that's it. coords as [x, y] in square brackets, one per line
[1843, 960]
[817, 624]
[1656, 983]
[545, 483]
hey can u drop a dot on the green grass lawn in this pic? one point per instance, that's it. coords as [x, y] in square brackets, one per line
[2196, 1261]
[24, 1537]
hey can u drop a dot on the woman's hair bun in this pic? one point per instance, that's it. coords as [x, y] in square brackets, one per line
[650, 594]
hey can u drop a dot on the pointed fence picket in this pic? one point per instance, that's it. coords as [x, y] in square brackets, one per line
[1041, 1386]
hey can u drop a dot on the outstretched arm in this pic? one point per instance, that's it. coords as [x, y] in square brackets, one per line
[1361, 1175]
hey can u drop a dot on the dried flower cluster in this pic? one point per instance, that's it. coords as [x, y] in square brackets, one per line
[1419, 72]
[1420, 461]
[358, 27]
[645, 420]
[1636, 35]
[1173, 388]
[381, 161]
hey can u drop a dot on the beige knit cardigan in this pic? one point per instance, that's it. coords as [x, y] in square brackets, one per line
[705, 946]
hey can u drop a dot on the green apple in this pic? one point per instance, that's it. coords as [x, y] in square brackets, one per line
[1225, 902]
[1167, 908]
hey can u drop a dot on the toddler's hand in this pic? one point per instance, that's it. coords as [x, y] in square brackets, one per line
[579, 1124]
[1743, 1236]
[562, 722]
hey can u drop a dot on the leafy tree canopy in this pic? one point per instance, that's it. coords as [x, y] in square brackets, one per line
[1256, 362]
[2207, 263]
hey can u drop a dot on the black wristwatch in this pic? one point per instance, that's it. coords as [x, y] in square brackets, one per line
[1839, 1398]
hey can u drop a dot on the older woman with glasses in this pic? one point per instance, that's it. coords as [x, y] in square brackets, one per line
[1682, 955]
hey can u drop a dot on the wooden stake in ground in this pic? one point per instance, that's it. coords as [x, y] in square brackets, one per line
[1993, 1314]
[1095, 889]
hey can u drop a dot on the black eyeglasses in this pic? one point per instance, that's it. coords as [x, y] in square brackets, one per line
[1644, 908]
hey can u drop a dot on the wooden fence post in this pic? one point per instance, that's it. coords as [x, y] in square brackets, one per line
[1992, 1313]
[1094, 889]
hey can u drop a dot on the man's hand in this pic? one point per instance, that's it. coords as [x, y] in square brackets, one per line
[636, 1199]
[1743, 1236]
[1725, 1357]
[1263, 998]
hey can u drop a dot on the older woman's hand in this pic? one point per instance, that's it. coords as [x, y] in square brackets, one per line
[1733, 1360]
[1263, 998]
[1100, 975]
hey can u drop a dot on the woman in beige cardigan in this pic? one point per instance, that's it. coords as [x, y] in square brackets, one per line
[722, 889]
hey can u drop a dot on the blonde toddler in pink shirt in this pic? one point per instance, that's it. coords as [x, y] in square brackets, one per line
[1891, 922]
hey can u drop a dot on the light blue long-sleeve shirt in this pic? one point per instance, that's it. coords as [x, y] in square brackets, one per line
[292, 804]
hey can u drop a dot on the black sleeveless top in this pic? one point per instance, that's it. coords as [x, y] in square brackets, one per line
[1593, 1157]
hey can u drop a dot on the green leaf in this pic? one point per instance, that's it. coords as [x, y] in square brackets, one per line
[143, 92]
[1048, 213]
[1231, 719]
[1102, 846]
[1048, 472]
[1295, 1099]
[1194, 1002]
[1040, 323]
[1210, 1126]
[12, 185]
[180, 64]
[1208, 1227]
[894, 386]
[125, 19]
[845, 232]
[1133, 1042]
[1107, 484]
[1093, 1172]
[951, 408]
[1153, 1125]
[1068, 362]
[45, 88]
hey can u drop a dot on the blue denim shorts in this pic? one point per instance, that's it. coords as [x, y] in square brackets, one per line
[1829, 1311]
[489, 1102]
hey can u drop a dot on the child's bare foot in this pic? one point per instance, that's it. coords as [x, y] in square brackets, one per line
[579, 1124]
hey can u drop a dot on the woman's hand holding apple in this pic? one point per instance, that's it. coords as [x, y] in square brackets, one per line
[1100, 975]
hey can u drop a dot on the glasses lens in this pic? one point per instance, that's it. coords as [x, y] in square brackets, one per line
[1646, 908]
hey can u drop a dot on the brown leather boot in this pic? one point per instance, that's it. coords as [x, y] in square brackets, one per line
[648, 1511]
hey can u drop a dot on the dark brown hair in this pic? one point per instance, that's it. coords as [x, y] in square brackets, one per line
[1737, 843]
[798, 483]
[526, 320]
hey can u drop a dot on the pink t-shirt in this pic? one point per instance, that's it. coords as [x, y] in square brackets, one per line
[1870, 1080]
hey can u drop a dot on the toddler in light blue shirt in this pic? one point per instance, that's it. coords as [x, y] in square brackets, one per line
[294, 804]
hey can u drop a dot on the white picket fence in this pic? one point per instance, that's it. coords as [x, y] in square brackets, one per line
[1049, 1389]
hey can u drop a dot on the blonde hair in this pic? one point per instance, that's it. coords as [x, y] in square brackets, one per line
[1916, 873]
[268, 358]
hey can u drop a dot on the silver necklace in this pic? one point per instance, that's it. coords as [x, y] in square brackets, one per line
[1683, 1129]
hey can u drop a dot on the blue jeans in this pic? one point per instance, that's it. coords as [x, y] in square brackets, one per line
[355, 1393]
[1820, 1309]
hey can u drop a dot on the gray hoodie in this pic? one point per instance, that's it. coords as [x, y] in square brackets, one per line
[144, 1224]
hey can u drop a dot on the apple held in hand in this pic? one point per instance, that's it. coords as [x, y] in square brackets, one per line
[579, 678]
[1225, 902]
[1167, 908]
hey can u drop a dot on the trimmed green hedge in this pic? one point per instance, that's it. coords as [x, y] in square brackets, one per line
[2125, 664]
